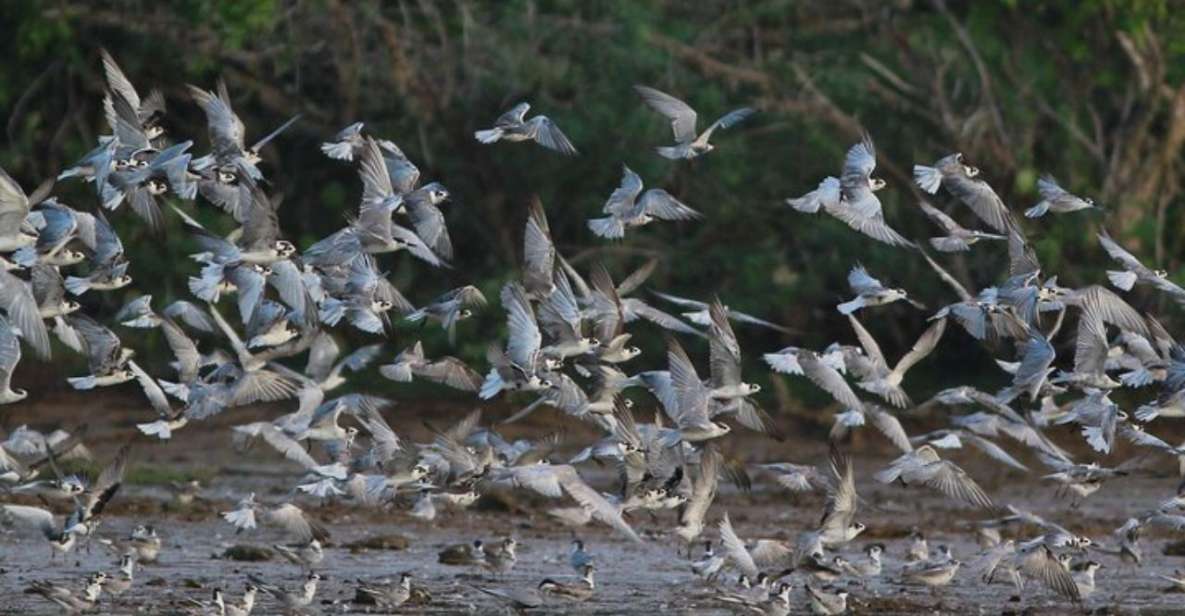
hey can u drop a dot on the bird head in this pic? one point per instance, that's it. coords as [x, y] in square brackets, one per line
[156, 187]
[876, 184]
[284, 248]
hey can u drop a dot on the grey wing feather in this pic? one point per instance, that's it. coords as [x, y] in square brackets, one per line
[118, 82]
[725, 351]
[1117, 252]
[861, 282]
[661, 204]
[924, 346]
[184, 349]
[947, 223]
[545, 132]
[525, 336]
[226, 129]
[1112, 309]
[152, 391]
[322, 354]
[262, 386]
[288, 447]
[658, 317]
[10, 353]
[36, 517]
[17, 300]
[294, 520]
[828, 379]
[954, 482]
[591, 500]
[538, 249]
[1042, 565]
[891, 427]
[735, 548]
[872, 227]
[982, 200]
[626, 194]
[681, 115]
[637, 278]
[429, 223]
[372, 169]
[1091, 346]
[452, 372]
[728, 120]
[691, 394]
[14, 205]
[871, 348]
[514, 117]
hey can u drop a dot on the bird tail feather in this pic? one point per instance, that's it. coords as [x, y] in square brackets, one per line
[927, 178]
[609, 227]
[1122, 280]
[1038, 210]
[488, 136]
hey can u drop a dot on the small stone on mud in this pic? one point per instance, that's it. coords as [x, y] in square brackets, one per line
[248, 553]
[379, 542]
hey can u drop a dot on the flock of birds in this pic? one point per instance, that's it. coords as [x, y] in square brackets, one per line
[568, 347]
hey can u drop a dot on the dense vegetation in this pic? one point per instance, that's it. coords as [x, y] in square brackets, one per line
[1092, 91]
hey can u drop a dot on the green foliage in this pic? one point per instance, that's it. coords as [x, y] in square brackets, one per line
[426, 75]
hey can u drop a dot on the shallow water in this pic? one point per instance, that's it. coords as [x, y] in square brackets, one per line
[632, 579]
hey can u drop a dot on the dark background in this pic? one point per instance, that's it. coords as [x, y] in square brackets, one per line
[1089, 90]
